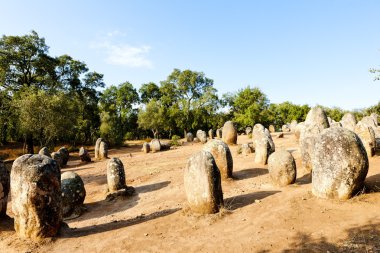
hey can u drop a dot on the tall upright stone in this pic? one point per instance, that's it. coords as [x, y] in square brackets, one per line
[219, 133]
[222, 156]
[36, 196]
[56, 156]
[211, 134]
[282, 168]
[348, 121]
[65, 154]
[4, 188]
[229, 133]
[367, 136]
[84, 155]
[97, 145]
[73, 194]
[262, 149]
[340, 164]
[189, 137]
[115, 175]
[272, 129]
[155, 145]
[202, 136]
[146, 147]
[103, 150]
[203, 184]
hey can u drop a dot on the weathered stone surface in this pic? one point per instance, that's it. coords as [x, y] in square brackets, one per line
[293, 125]
[44, 151]
[73, 194]
[211, 134]
[367, 136]
[97, 145]
[58, 158]
[36, 196]
[299, 128]
[103, 150]
[222, 156]
[229, 134]
[84, 155]
[203, 184]
[202, 136]
[282, 168]
[246, 149]
[340, 164]
[248, 130]
[196, 140]
[258, 131]
[375, 117]
[4, 188]
[115, 175]
[155, 145]
[335, 124]
[146, 147]
[285, 128]
[272, 129]
[65, 154]
[189, 137]
[262, 149]
[316, 121]
[348, 121]
[219, 133]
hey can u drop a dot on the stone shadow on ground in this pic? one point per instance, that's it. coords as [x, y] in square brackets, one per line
[114, 225]
[6, 224]
[240, 201]
[305, 179]
[365, 238]
[372, 183]
[152, 187]
[249, 173]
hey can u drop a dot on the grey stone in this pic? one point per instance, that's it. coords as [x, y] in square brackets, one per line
[348, 121]
[65, 154]
[367, 136]
[282, 168]
[97, 145]
[146, 147]
[73, 194]
[44, 151]
[84, 155]
[229, 133]
[4, 188]
[155, 145]
[189, 137]
[222, 156]
[202, 136]
[115, 175]
[211, 134]
[103, 150]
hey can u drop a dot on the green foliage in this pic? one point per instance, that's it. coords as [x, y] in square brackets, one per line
[175, 141]
[280, 114]
[153, 117]
[149, 91]
[335, 113]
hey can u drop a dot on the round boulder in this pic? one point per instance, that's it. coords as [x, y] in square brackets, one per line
[340, 164]
[282, 168]
[229, 133]
[84, 155]
[65, 154]
[146, 147]
[44, 151]
[36, 196]
[202, 136]
[115, 175]
[58, 158]
[4, 188]
[155, 145]
[222, 156]
[189, 137]
[73, 193]
[203, 184]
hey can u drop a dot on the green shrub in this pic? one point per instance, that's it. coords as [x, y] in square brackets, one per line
[175, 141]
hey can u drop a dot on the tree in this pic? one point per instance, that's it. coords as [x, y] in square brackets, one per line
[153, 117]
[149, 91]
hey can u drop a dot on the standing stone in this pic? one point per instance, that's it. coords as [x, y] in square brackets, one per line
[4, 188]
[65, 154]
[248, 130]
[262, 149]
[271, 142]
[146, 147]
[189, 137]
[115, 175]
[257, 133]
[375, 117]
[367, 136]
[202, 136]
[84, 155]
[211, 134]
[73, 194]
[44, 151]
[58, 158]
[285, 128]
[219, 133]
[196, 140]
[272, 129]
[246, 149]
[222, 156]
[316, 121]
[336, 124]
[97, 145]
[36, 196]
[229, 133]
[282, 168]
[349, 121]
[155, 145]
[293, 125]
[299, 128]
[203, 184]
[103, 150]
[340, 164]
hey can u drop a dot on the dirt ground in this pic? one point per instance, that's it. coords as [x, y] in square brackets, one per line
[259, 217]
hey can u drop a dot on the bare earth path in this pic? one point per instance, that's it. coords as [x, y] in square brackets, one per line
[261, 217]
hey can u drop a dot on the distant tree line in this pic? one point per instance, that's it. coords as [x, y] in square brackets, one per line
[47, 100]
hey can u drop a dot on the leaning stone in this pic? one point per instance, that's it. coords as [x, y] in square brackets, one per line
[115, 175]
[202, 136]
[73, 194]
[155, 145]
[189, 137]
[222, 156]
[282, 168]
[203, 184]
[36, 196]
[146, 147]
[84, 155]
[229, 134]
[4, 188]
[65, 154]
[44, 151]
[340, 164]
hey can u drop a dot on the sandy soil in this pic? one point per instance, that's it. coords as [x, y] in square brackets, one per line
[259, 216]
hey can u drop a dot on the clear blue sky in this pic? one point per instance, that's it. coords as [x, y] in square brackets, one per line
[314, 52]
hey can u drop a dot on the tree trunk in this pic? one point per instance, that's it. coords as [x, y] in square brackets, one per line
[29, 144]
